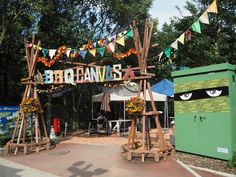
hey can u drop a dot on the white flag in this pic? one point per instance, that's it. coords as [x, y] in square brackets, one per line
[52, 52]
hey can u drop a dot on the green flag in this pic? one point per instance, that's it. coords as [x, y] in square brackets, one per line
[196, 27]
[167, 52]
[130, 33]
[101, 50]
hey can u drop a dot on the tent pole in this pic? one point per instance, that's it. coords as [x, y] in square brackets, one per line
[124, 116]
[92, 113]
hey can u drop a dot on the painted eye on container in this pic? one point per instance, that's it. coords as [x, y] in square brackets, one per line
[214, 93]
[186, 96]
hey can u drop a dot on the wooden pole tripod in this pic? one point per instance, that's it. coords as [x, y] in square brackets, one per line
[31, 120]
[161, 148]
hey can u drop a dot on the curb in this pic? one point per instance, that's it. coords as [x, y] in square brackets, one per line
[213, 171]
[188, 168]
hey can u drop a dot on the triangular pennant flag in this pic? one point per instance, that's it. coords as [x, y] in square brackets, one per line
[95, 44]
[213, 7]
[181, 38]
[101, 50]
[112, 46]
[121, 40]
[93, 52]
[196, 27]
[83, 53]
[160, 55]
[111, 38]
[188, 35]
[68, 52]
[52, 52]
[130, 33]
[174, 45]
[167, 52]
[204, 18]
[45, 52]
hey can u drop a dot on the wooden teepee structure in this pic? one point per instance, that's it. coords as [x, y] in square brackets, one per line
[29, 121]
[145, 148]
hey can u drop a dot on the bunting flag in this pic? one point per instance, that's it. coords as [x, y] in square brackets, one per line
[188, 35]
[121, 41]
[174, 45]
[181, 38]
[213, 7]
[101, 50]
[68, 52]
[52, 52]
[167, 52]
[83, 53]
[111, 46]
[93, 52]
[196, 27]
[95, 44]
[111, 38]
[204, 18]
[130, 33]
[45, 52]
[159, 56]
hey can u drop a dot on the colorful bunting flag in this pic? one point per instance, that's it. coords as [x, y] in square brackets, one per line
[95, 44]
[181, 38]
[93, 52]
[111, 38]
[111, 45]
[52, 52]
[68, 52]
[121, 40]
[188, 35]
[101, 50]
[196, 27]
[159, 56]
[204, 18]
[130, 33]
[168, 52]
[45, 52]
[174, 45]
[213, 7]
[83, 53]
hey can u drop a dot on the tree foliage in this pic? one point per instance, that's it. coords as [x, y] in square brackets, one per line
[216, 42]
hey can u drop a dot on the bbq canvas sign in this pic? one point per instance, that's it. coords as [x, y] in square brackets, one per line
[88, 74]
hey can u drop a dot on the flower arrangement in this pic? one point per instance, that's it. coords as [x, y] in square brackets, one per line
[29, 105]
[134, 105]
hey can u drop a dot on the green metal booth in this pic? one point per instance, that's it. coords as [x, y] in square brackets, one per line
[205, 110]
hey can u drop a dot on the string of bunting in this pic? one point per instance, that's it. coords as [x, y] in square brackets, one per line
[165, 55]
[107, 44]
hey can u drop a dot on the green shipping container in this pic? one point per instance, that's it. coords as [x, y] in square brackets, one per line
[205, 110]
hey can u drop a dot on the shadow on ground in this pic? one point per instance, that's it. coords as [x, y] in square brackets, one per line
[9, 172]
[82, 169]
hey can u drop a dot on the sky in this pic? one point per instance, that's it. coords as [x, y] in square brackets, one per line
[164, 9]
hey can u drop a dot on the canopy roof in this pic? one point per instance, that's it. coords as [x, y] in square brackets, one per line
[165, 87]
[125, 93]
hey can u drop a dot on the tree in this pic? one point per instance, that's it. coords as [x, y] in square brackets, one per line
[214, 44]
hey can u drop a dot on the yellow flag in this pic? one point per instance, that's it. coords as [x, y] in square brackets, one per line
[213, 7]
[181, 38]
[93, 52]
[121, 40]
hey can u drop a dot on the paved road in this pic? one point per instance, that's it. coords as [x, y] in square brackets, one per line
[12, 169]
[84, 160]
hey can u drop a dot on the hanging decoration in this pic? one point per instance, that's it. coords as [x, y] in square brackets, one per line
[108, 44]
[187, 35]
[125, 55]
